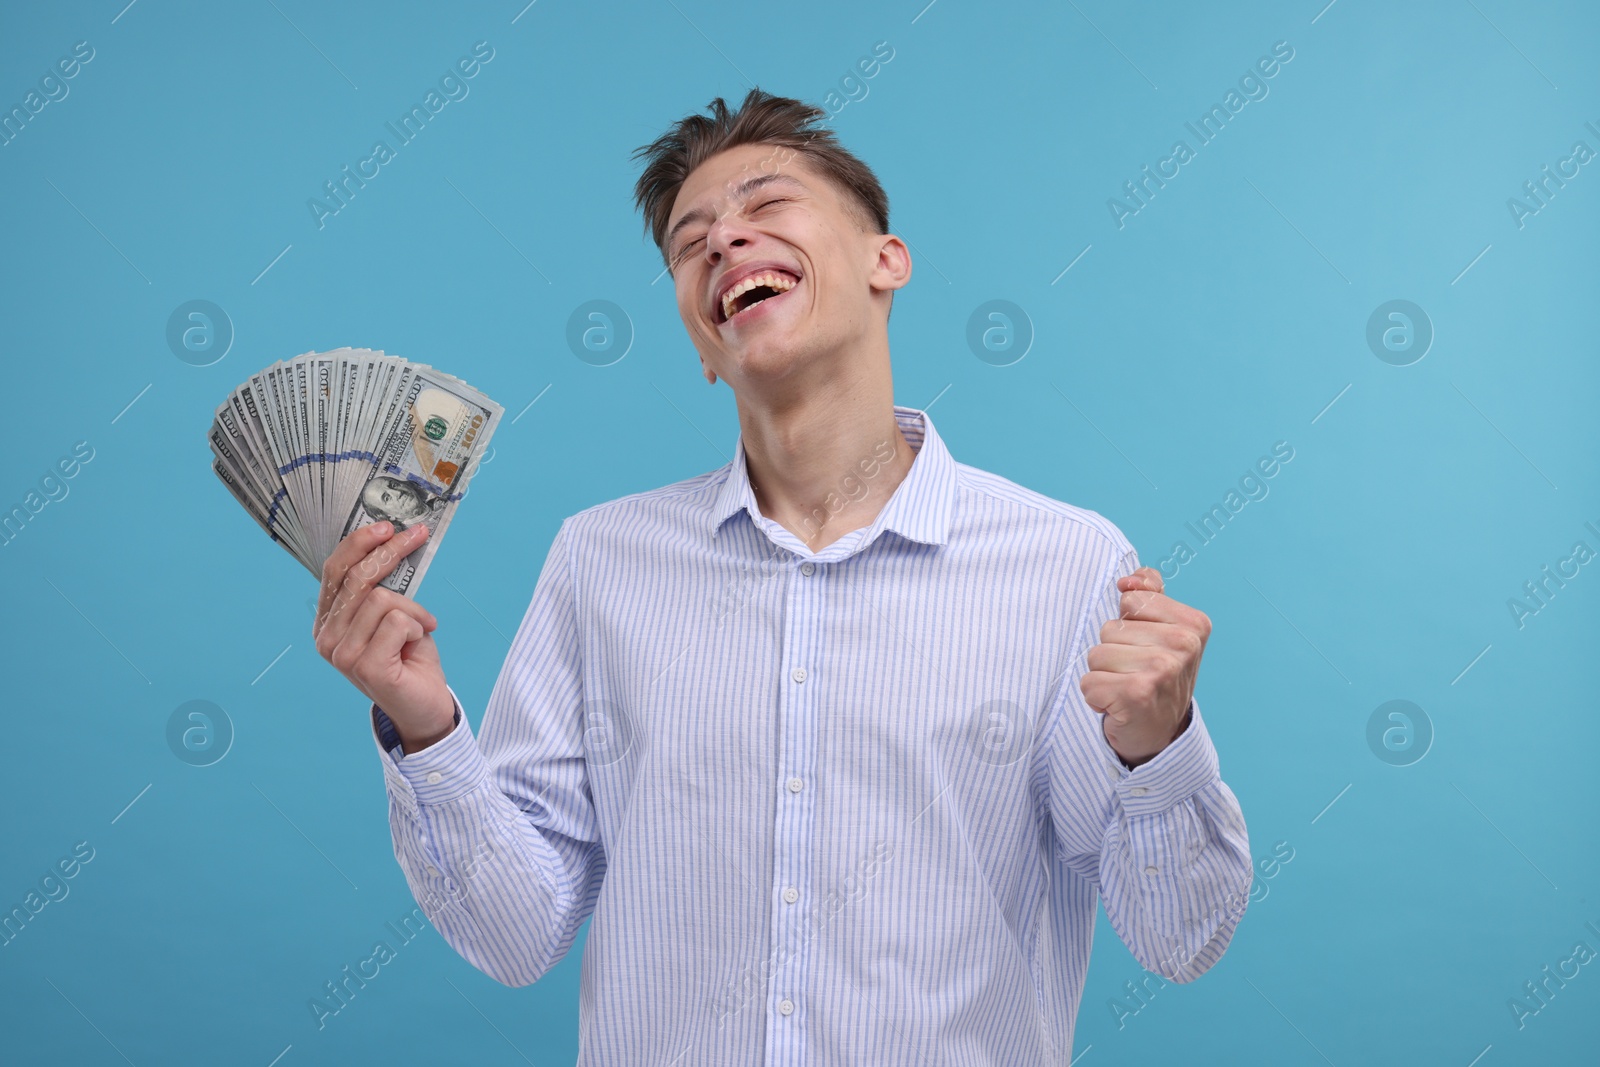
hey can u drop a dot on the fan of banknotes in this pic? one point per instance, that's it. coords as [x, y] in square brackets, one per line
[328, 442]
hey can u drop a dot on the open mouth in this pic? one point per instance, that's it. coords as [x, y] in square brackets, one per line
[756, 289]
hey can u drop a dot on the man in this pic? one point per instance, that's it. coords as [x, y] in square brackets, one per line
[838, 743]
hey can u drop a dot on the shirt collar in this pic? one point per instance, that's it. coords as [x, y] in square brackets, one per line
[920, 509]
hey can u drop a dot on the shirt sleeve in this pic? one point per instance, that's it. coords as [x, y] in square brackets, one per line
[498, 839]
[1164, 843]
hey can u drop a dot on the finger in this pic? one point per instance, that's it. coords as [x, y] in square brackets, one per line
[376, 565]
[1150, 607]
[1143, 578]
[394, 632]
[1152, 634]
[1116, 695]
[1127, 659]
[372, 568]
[349, 550]
[372, 610]
[1187, 628]
[366, 573]
[1103, 693]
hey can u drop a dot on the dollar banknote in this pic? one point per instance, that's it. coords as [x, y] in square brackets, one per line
[318, 446]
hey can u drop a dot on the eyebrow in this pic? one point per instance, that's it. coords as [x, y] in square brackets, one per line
[748, 186]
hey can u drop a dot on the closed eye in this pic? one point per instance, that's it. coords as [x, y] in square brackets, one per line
[686, 249]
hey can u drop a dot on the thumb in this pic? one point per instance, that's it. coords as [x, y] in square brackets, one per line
[420, 652]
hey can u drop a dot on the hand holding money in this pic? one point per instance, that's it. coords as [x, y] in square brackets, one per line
[380, 640]
[355, 462]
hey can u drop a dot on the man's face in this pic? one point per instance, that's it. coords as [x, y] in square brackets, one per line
[758, 209]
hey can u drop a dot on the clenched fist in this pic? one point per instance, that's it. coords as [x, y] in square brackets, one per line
[381, 641]
[1141, 676]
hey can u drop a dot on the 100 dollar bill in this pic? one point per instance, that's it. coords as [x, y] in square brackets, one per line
[437, 428]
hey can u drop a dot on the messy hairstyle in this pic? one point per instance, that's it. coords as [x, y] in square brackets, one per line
[761, 119]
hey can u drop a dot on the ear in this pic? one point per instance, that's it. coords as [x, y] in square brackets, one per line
[893, 267]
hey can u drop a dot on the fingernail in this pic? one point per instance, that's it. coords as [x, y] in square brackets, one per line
[381, 527]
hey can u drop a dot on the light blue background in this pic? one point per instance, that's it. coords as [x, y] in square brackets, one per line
[1223, 317]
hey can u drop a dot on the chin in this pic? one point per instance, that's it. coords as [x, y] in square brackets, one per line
[771, 360]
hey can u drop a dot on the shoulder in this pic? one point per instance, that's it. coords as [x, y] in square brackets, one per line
[988, 498]
[664, 504]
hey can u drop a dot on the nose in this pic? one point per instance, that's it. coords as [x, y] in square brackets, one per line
[729, 231]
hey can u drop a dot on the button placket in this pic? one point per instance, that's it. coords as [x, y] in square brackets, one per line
[796, 813]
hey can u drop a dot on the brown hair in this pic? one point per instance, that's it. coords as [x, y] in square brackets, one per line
[761, 119]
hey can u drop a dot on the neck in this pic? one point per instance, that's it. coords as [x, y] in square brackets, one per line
[823, 464]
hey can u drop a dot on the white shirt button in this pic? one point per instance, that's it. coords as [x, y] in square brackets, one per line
[798, 674]
[1111, 771]
[795, 785]
[1152, 870]
[808, 569]
[791, 895]
[786, 1006]
[1138, 790]
[432, 870]
[434, 777]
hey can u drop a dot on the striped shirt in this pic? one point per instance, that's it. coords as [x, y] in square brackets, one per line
[847, 806]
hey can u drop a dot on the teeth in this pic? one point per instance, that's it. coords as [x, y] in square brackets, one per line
[771, 279]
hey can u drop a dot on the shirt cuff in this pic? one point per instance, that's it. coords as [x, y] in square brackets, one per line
[442, 772]
[1174, 774]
